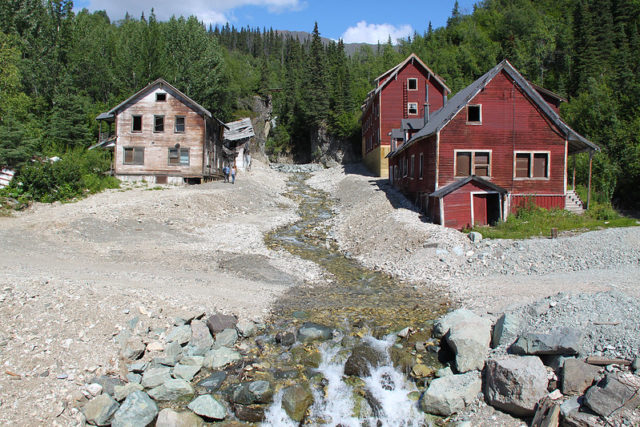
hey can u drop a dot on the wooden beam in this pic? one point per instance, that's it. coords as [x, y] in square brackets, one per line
[589, 187]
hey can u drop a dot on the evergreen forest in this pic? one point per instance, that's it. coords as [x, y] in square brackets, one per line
[59, 69]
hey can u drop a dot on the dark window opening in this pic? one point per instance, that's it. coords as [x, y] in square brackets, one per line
[474, 114]
[412, 84]
[522, 165]
[160, 97]
[133, 156]
[540, 161]
[179, 126]
[137, 124]
[158, 123]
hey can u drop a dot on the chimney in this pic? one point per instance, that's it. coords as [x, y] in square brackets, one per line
[444, 100]
[426, 103]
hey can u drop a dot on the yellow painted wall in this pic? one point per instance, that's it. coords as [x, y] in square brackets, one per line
[376, 161]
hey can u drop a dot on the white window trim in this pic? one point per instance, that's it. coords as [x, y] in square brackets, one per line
[530, 177]
[421, 166]
[409, 108]
[472, 193]
[473, 163]
[478, 122]
[416, 80]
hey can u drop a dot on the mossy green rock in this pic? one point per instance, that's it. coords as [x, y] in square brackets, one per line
[306, 356]
[296, 400]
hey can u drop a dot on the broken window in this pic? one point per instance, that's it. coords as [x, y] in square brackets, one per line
[474, 114]
[179, 156]
[161, 96]
[136, 125]
[158, 123]
[133, 156]
[179, 124]
[412, 108]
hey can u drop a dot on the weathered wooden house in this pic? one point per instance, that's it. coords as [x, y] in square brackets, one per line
[396, 108]
[493, 146]
[162, 136]
[237, 143]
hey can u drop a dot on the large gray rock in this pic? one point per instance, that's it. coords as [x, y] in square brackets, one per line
[610, 395]
[219, 322]
[310, 331]
[469, 339]
[226, 338]
[220, 357]
[246, 328]
[185, 372]
[505, 331]
[192, 361]
[253, 392]
[577, 376]
[133, 348]
[296, 399]
[201, 339]
[122, 391]
[154, 377]
[450, 394]
[515, 384]
[100, 409]
[171, 355]
[172, 389]
[108, 383]
[213, 382]
[138, 410]
[559, 341]
[179, 334]
[209, 407]
[475, 237]
[442, 325]
[170, 418]
[362, 358]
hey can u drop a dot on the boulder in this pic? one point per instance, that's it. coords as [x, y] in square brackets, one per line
[108, 383]
[559, 341]
[201, 339]
[469, 339]
[314, 332]
[515, 384]
[226, 338]
[442, 325]
[506, 329]
[444, 372]
[250, 413]
[122, 391]
[179, 334]
[218, 358]
[138, 410]
[296, 399]
[154, 377]
[219, 322]
[246, 328]
[209, 407]
[94, 389]
[577, 376]
[192, 361]
[100, 409]
[170, 418]
[134, 378]
[253, 392]
[475, 237]
[171, 355]
[570, 405]
[172, 389]
[286, 338]
[581, 419]
[213, 382]
[185, 372]
[362, 358]
[133, 348]
[450, 394]
[610, 395]
[137, 367]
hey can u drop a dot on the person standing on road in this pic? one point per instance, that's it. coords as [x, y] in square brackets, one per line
[225, 171]
[233, 174]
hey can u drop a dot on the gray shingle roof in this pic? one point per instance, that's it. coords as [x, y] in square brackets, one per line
[450, 188]
[443, 116]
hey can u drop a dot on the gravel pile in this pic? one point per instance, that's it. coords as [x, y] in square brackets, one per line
[293, 168]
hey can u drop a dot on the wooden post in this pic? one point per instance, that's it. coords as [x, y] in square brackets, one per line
[589, 187]
[574, 173]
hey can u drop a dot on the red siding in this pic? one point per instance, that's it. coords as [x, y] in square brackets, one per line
[547, 202]
[457, 205]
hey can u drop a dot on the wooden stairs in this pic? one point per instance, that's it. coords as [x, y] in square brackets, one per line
[572, 203]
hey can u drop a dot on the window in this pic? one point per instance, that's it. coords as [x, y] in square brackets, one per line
[531, 165]
[179, 156]
[404, 167]
[412, 84]
[179, 124]
[158, 123]
[474, 114]
[420, 162]
[133, 156]
[473, 163]
[136, 125]
[413, 161]
[161, 96]
[412, 108]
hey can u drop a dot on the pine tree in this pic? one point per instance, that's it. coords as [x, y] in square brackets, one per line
[317, 103]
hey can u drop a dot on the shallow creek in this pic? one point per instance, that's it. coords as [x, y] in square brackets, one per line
[363, 306]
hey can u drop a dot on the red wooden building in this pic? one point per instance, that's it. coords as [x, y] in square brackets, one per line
[494, 145]
[398, 105]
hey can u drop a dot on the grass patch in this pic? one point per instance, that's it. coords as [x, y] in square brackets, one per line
[532, 221]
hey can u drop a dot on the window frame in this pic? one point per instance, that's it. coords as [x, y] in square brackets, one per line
[164, 95]
[479, 121]
[472, 169]
[412, 166]
[184, 124]
[155, 123]
[134, 150]
[531, 165]
[421, 166]
[409, 108]
[133, 122]
[415, 79]
[179, 150]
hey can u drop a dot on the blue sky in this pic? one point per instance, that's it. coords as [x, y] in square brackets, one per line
[352, 20]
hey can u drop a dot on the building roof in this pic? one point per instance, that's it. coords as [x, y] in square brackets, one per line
[413, 124]
[439, 119]
[240, 129]
[168, 88]
[462, 182]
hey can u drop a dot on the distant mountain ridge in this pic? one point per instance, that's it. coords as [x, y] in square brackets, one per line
[303, 36]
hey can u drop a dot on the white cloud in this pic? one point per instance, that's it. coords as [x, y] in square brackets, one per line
[209, 11]
[374, 33]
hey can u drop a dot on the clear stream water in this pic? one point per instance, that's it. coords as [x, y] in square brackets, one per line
[361, 304]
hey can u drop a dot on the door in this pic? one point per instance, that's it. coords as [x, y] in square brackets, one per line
[486, 208]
